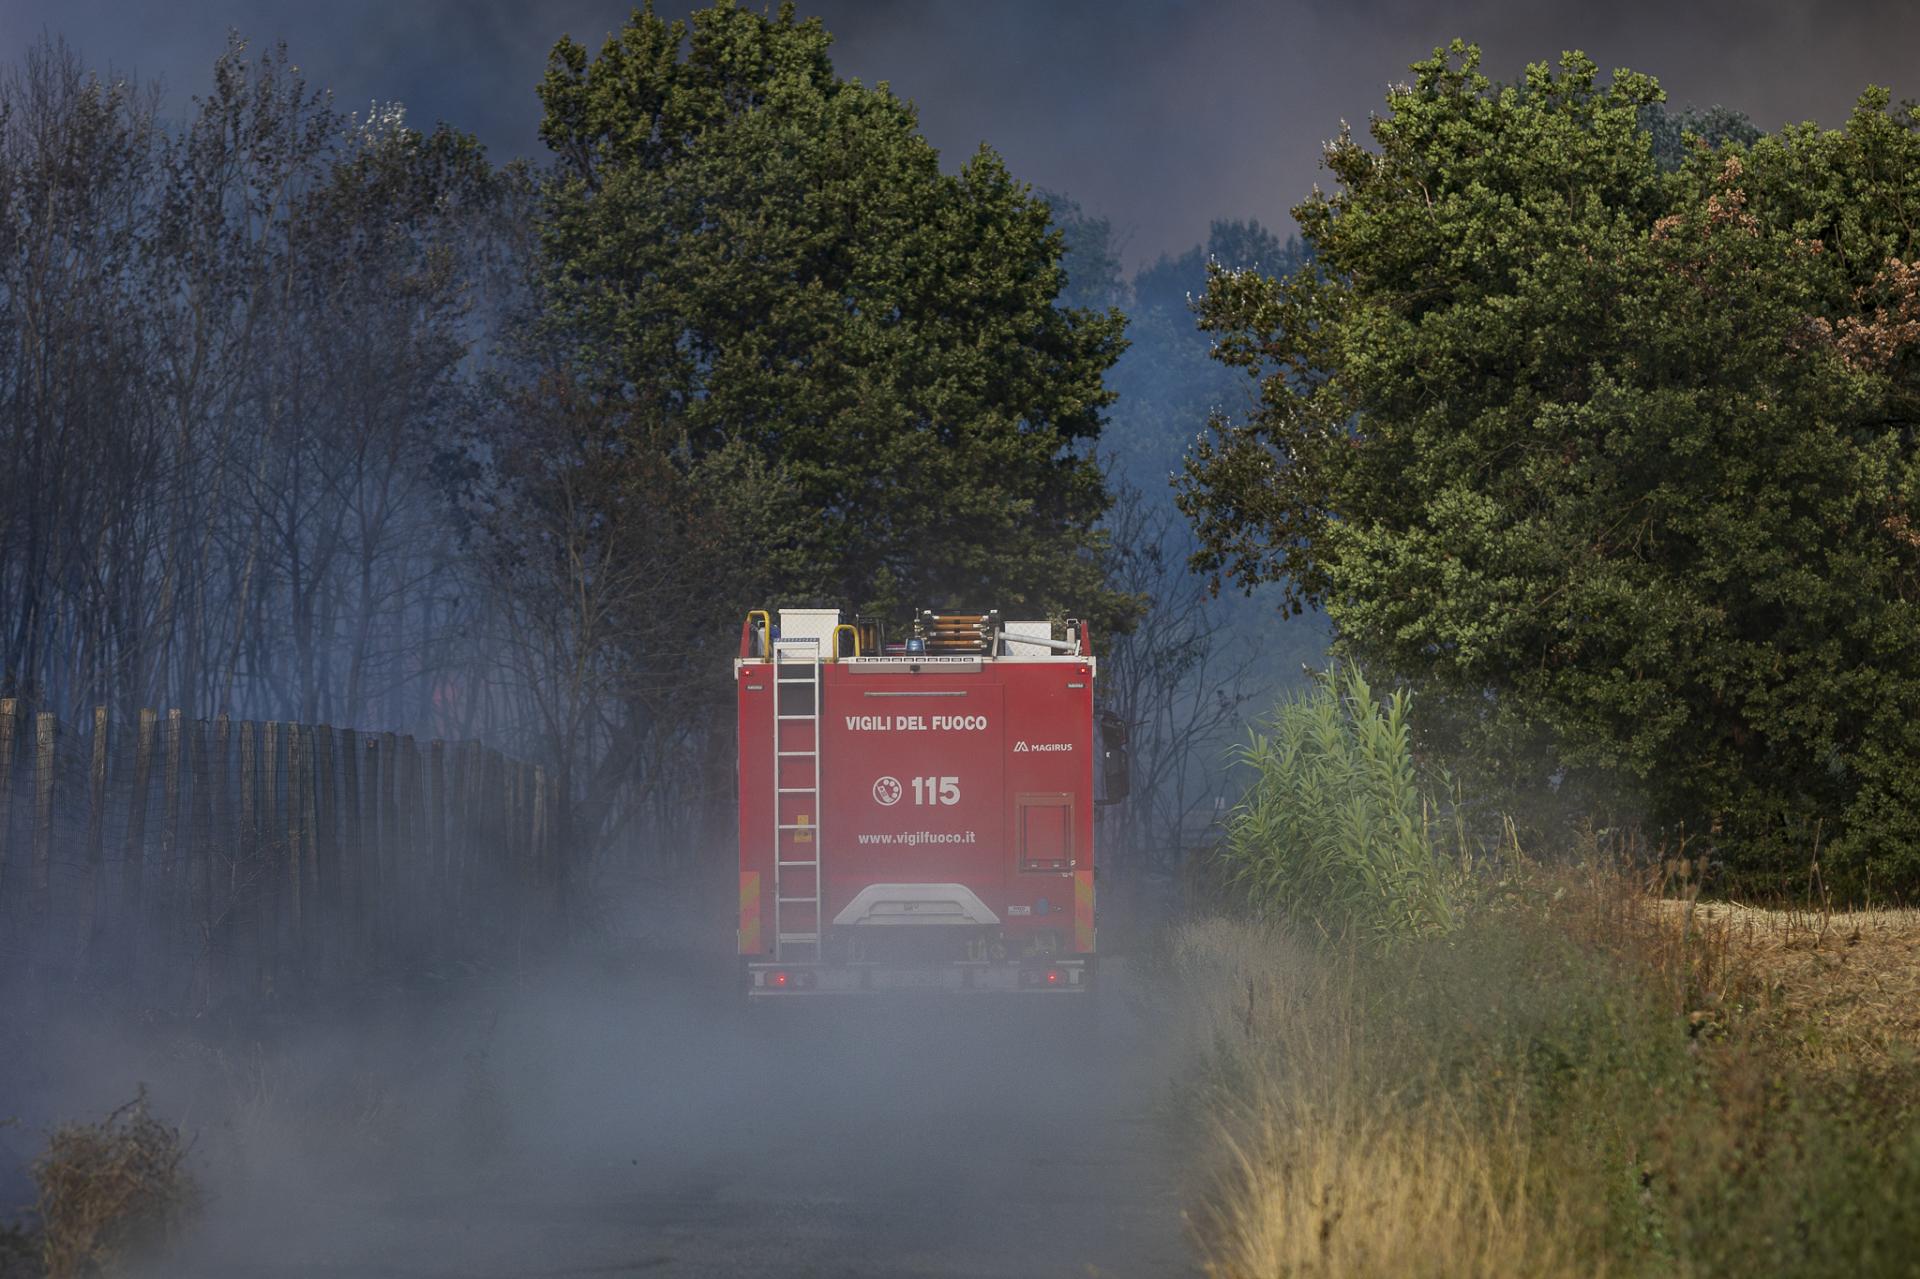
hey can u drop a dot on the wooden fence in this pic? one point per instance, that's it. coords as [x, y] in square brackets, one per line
[190, 864]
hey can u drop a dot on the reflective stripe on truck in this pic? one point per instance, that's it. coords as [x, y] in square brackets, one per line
[750, 913]
[1083, 910]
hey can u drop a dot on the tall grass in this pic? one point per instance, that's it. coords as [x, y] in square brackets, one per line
[1368, 1192]
[1327, 1152]
[1414, 1065]
[1576, 1080]
[1335, 832]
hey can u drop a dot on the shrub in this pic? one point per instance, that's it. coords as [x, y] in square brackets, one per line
[1335, 832]
[108, 1190]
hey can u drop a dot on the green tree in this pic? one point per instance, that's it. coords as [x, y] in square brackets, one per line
[747, 249]
[1618, 463]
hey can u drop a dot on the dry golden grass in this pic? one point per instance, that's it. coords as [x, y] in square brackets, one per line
[1598, 1072]
[1308, 1174]
[109, 1190]
[1592, 1076]
[1365, 1192]
[1839, 985]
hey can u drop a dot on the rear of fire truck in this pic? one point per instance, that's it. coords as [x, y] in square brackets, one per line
[916, 809]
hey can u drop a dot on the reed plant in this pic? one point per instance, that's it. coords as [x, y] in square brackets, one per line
[1336, 832]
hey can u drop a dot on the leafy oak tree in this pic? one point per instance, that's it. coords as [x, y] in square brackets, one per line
[1617, 461]
[748, 250]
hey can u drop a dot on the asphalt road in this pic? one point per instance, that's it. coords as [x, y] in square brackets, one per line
[638, 1124]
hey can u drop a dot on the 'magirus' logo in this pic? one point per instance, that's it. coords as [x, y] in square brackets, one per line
[1023, 747]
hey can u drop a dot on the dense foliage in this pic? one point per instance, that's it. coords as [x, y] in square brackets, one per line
[745, 248]
[1617, 462]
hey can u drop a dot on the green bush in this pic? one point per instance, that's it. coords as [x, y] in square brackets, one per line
[1335, 832]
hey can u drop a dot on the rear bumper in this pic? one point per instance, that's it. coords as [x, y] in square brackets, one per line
[1065, 978]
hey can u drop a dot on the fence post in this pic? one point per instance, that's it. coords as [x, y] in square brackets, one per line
[516, 861]
[391, 880]
[437, 843]
[200, 867]
[167, 903]
[489, 880]
[221, 902]
[272, 835]
[505, 867]
[411, 880]
[537, 836]
[352, 846]
[133, 859]
[460, 837]
[45, 760]
[373, 861]
[313, 917]
[295, 936]
[96, 895]
[560, 840]
[523, 821]
[9, 730]
[247, 868]
[326, 851]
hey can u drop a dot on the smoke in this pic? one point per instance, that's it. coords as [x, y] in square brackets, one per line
[624, 1112]
[1162, 114]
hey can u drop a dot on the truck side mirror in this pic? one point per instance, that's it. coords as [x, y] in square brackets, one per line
[1116, 758]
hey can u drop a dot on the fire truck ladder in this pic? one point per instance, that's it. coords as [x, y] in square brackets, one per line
[796, 667]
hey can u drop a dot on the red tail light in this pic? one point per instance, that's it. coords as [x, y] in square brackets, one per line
[777, 979]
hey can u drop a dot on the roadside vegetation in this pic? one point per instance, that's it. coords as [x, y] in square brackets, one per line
[1572, 1068]
[108, 1192]
[1591, 430]
[1337, 829]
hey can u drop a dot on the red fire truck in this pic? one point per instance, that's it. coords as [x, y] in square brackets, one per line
[916, 811]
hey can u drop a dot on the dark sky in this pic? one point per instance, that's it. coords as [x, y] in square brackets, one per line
[1160, 114]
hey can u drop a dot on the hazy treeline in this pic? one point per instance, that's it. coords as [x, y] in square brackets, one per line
[1196, 668]
[233, 383]
[301, 430]
[273, 454]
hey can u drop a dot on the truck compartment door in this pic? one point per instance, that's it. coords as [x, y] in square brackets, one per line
[1043, 830]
